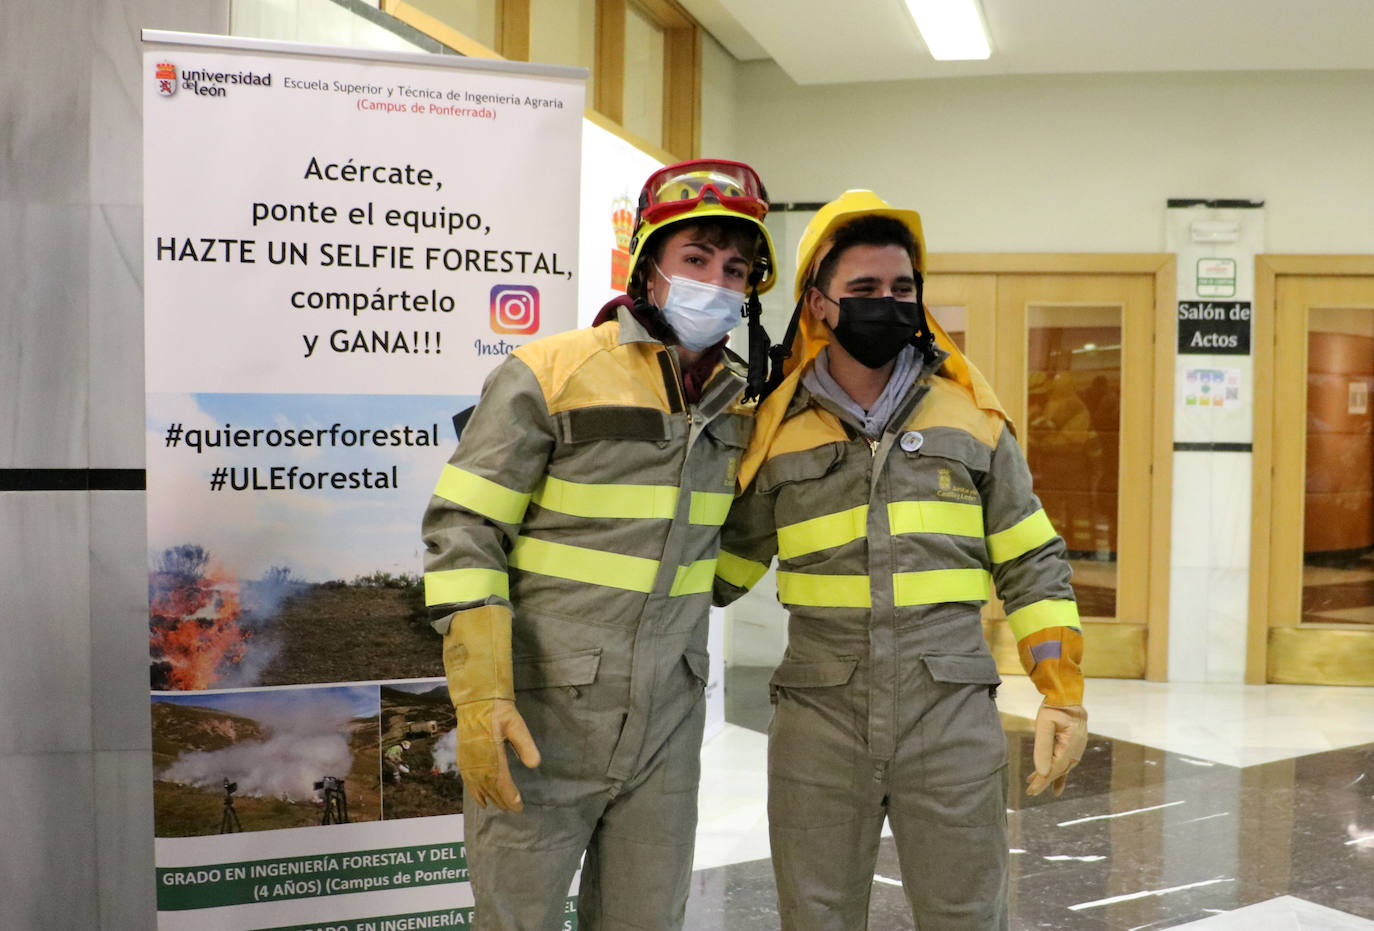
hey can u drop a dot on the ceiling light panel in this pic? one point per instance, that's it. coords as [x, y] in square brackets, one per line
[953, 30]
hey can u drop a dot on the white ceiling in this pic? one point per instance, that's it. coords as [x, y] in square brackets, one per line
[841, 41]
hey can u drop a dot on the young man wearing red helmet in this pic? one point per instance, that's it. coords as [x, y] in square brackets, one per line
[886, 480]
[571, 546]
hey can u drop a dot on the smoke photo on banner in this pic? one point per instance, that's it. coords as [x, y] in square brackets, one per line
[283, 533]
[265, 759]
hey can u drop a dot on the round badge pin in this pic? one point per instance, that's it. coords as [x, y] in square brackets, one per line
[911, 441]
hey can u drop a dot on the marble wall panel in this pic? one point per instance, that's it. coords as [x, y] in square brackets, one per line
[43, 338]
[119, 621]
[1192, 510]
[126, 888]
[1188, 624]
[47, 859]
[45, 86]
[45, 618]
[1231, 518]
[1228, 599]
[116, 150]
[116, 398]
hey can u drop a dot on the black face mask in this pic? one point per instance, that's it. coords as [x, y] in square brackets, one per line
[874, 329]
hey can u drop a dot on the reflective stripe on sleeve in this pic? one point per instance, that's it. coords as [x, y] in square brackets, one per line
[824, 591]
[738, 571]
[458, 586]
[960, 520]
[581, 564]
[709, 507]
[1019, 539]
[694, 579]
[614, 501]
[481, 495]
[822, 533]
[937, 586]
[1042, 614]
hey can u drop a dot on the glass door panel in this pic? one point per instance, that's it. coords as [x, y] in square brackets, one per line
[1072, 437]
[1338, 510]
[1317, 623]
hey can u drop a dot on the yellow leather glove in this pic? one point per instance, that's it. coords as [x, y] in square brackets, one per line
[1051, 658]
[477, 663]
[1061, 735]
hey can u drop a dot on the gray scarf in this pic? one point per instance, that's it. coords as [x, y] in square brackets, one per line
[818, 381]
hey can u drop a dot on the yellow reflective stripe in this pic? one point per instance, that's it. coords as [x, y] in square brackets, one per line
[821, 533]
[1021, 538]
[481, 495]
[616, 501]
[709, 507]
[824, 591]
[580, 564]
[694, 579]
[960, 520]
[738, 571]
[456, 586]
[937, 586]
[1042, 614]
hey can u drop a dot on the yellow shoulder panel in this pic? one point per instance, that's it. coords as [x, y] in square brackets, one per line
[590, 368]
[950, 404]
[814, 426]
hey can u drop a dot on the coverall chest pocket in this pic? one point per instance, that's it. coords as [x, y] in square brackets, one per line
[961, 730]
[726, 438]
[946, 466]
[552, 694]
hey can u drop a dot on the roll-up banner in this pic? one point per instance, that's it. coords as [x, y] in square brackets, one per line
[338, 247]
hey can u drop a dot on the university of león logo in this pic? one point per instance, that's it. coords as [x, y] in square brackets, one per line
[166, 78]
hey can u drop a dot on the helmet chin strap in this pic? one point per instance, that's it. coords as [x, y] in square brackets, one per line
[653, 318]
[759, 351]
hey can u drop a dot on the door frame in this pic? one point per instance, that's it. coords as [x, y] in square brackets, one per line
[1269, 415]
[1162, 266]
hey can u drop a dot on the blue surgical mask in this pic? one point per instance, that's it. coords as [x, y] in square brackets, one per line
[700, 313]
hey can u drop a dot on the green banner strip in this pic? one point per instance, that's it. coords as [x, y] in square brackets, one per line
[284, 878]
[418, 921]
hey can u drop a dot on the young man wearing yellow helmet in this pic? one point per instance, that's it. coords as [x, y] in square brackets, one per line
[571, 544]
[887, 481]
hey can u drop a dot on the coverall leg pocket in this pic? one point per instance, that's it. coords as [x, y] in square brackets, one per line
[550, 696]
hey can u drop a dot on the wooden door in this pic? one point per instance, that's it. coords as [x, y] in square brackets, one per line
[1070, 344]
[1312, 591]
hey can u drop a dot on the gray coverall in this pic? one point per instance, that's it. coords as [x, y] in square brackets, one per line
[588, 496]
[884, 698]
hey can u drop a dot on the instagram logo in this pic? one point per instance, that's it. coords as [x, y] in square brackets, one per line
[514, 308]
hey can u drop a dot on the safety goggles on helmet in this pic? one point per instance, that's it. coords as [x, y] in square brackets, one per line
[680, 188]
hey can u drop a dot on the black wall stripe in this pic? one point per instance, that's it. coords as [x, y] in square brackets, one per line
[1222, 204]
[1213, 447]
[73, 480]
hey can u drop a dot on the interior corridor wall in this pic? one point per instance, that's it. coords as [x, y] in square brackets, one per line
[75, 764]
[1057, 163]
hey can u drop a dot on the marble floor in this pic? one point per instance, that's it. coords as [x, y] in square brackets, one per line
[1219, 808]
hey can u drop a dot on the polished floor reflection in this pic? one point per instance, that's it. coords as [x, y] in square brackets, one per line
[1214, 807]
